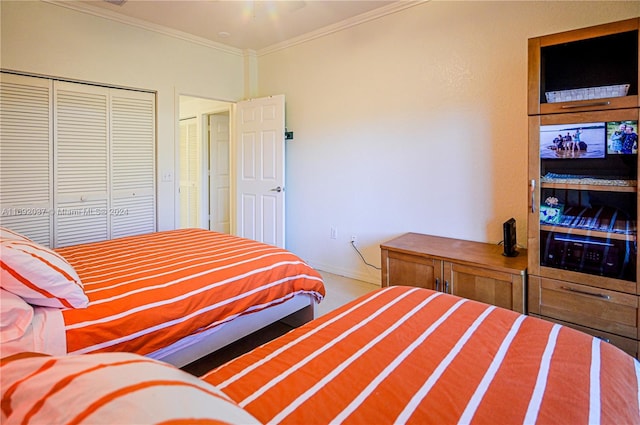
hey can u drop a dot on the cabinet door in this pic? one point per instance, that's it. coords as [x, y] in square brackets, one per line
[26, 162]
[413, 270]
[489, 286]
[81, 143]
[132, 163]
[583, 206]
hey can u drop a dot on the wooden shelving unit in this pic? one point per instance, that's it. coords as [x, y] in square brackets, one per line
[583, 265]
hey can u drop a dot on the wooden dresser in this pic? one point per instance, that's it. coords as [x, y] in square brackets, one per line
[467, 269]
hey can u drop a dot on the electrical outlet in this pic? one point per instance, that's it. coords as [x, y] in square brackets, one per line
[354, 239]
[334, 232]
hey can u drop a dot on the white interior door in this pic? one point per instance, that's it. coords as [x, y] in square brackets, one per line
[219, 172]
[260, 169]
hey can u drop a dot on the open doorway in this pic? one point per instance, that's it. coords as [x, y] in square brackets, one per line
[204, 164]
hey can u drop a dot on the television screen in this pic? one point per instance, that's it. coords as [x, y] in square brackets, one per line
[622, 137]
[573, 141]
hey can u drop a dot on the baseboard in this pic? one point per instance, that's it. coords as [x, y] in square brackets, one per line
[369, 278]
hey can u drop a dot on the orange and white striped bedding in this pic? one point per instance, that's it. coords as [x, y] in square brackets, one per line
[411, 355]
[148, 291]
[108, 388]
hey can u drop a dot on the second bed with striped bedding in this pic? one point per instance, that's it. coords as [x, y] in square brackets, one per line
[411, 355]
[147, 292]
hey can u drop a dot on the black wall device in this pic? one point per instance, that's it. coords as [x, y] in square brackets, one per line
[509, 241]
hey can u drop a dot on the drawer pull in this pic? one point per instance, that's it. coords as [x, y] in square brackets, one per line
[437, 284]
[601, 338]
[582, 105]
[603, 296]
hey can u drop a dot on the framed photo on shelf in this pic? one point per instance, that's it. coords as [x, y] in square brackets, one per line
[622, 137]
[573, 141]
[551, 214]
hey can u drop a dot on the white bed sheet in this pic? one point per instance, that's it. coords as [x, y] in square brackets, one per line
[295, 311]
[45, 334]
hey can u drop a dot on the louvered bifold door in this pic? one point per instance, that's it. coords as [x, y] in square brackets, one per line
[133, 201]
[26, 156]
[189, 174]
[81, 143]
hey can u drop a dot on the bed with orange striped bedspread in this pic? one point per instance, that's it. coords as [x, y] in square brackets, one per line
[148, 291]
[411, 355]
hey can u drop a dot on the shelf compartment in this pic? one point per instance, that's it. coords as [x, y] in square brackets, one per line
[596, 187]
[604, 220]
[589, 232]
[615, 258]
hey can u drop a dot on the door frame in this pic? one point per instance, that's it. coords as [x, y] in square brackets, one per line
[232, 108]
[217, 106]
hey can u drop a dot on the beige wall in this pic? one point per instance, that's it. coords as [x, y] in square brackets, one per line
[49, 39]
[413, 122]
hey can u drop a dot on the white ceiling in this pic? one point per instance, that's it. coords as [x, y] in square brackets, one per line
[243, 24]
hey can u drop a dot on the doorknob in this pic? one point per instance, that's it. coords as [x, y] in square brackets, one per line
[277, 189]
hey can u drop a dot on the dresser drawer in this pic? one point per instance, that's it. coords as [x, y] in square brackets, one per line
[600, 309]
[630, 346]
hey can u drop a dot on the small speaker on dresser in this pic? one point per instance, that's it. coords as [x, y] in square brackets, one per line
[509, 240]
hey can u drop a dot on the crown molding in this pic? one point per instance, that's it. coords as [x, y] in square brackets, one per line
[342, 25]
[330, 29]
[114, 16]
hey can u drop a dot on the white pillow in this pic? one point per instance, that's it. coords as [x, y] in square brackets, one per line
[109, 388]
[15, 316]
[39, 275]
[8, 234]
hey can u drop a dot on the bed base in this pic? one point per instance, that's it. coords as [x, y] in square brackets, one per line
[294, 312]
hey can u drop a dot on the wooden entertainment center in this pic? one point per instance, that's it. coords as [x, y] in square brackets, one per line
[583, 256]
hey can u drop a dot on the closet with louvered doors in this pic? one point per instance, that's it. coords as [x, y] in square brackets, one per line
[101, 165]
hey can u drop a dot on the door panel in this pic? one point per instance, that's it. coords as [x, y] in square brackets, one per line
[488, 286]
[219, 169]
[260, 162]
[413, 270]
[248, 207]
[81, 152]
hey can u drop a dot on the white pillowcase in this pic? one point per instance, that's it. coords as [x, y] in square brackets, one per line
[8, 234]
[109, 388]
[15, 316]
[39, 275]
